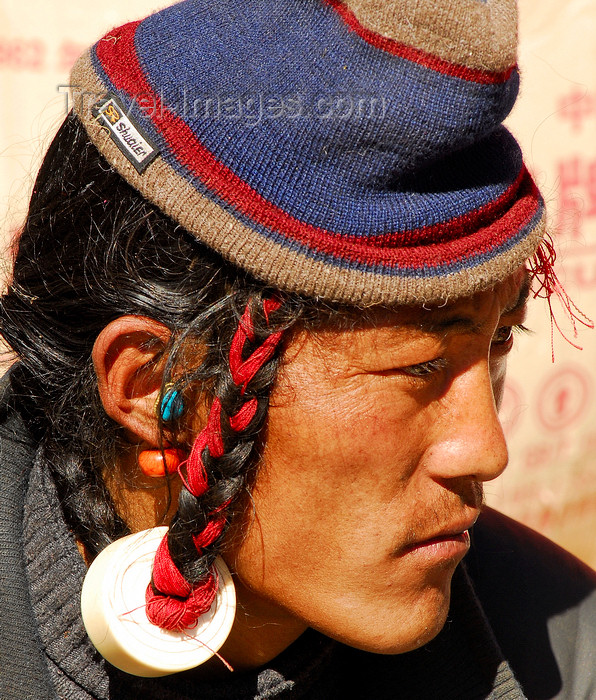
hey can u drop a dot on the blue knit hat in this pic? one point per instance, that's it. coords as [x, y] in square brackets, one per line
[351, 150]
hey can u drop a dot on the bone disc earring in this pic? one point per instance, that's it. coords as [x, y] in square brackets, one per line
[113, 611]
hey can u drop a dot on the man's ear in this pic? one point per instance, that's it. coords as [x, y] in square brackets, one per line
[129, 375]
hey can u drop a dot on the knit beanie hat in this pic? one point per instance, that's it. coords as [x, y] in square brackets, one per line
[351, 150]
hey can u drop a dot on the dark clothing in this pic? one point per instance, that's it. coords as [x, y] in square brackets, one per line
[519, 598]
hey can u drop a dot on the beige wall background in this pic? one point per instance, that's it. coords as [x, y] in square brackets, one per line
[549, 409]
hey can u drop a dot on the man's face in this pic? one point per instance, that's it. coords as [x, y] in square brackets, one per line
[377, 444]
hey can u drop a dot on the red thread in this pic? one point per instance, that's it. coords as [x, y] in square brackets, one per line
[166, 577]
[243, 333]
[542, 268]
[172, 603]
[196, 475]
[213, 428]
[177, 605]
[171, 613]
[210, 533]
[269, 306]
[241, 420]
[244, 370]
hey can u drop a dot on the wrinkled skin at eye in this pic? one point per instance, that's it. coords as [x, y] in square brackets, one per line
[378, 442]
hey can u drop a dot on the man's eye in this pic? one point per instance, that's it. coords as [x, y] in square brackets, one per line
[425, 368]
[503, 337]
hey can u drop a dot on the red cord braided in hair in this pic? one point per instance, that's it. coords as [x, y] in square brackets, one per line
[172, 603]
[244, 370]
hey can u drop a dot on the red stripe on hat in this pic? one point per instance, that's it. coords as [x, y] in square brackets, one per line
[438, 244]
[428, 60]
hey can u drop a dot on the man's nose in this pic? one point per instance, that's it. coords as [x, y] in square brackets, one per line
[470, 442]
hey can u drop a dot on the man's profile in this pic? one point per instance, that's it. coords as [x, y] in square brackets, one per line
[260, 351]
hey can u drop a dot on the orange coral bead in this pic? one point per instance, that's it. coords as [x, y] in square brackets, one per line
[155, 463]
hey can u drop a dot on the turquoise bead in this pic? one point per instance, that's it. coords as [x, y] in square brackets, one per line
[171, 406]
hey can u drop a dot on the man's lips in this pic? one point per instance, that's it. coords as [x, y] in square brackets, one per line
[452, 540]
[440, 550]
[459, 536]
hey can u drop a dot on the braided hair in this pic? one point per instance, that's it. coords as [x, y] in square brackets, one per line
[92, 250]
[215, 473]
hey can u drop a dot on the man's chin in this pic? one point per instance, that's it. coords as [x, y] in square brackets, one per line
[408, 629]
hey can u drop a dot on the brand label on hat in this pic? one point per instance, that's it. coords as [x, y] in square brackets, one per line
[128, 136]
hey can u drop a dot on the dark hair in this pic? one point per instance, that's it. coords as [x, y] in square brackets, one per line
[93, 249]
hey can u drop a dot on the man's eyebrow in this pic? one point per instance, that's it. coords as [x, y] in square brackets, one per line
[461, 324]
[466, 324]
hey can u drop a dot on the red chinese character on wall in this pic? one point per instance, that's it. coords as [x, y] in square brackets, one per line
[68, 52]
[577, 195]
[577, 106]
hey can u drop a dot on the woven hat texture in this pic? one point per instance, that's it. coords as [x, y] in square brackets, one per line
[350, 150]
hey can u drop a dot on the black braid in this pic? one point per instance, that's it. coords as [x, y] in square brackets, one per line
[228, 474]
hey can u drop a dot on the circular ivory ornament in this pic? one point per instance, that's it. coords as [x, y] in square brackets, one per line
[113, 610]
